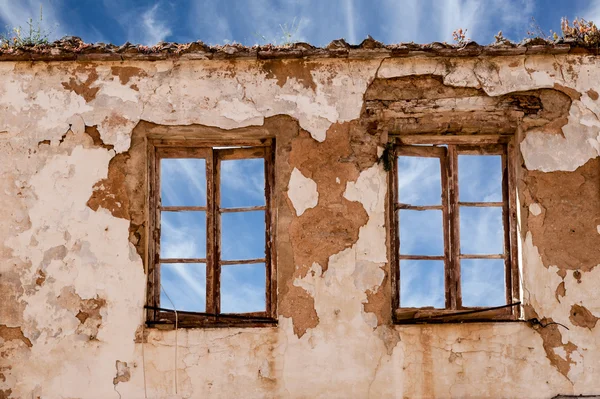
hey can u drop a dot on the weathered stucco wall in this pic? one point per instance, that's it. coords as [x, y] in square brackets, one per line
[72, 184]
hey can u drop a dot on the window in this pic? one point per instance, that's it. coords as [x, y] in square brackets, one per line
[211, 254]
[453, 244]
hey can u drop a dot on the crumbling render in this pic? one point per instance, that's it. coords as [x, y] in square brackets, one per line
[74, 239]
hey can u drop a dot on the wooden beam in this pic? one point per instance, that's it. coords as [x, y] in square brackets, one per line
[452, 139]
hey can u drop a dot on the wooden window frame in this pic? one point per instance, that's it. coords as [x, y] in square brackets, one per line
[431, 146]
[213, 152]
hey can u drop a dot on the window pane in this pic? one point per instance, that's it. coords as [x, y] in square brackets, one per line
[183, 182]
[243, 235]
[482, 282]
[183, 235]
[481, 231]
[185, 284]
[480, 178]
[242, 183]
[421, 232]
[422, 283]
[243, 288]
[419, 181]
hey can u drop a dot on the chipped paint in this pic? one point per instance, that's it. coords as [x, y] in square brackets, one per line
[72, 227]
[535, 209]
[302, 191]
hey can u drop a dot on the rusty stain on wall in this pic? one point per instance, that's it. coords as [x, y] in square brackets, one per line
[83, 87]
[566, 229]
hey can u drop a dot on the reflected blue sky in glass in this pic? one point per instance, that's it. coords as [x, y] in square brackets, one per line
[186, 286]
[422, 283]
[480, 178]
[482, 282]
[243, 288]
[242, 183]
[183, 235]
[419, 181]
[183, 182]
[243, 235]
[481, 230]
[421, 232]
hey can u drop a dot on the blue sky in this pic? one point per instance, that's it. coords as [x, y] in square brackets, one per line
[318, 21]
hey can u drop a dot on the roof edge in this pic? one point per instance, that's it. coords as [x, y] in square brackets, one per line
[75, 49]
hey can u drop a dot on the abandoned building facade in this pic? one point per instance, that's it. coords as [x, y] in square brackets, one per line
[346, 222]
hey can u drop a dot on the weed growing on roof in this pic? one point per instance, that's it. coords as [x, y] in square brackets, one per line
[460, 36]
[288, 34]
[535, 31]
[500, 39]
[581, 31]
[34, 34]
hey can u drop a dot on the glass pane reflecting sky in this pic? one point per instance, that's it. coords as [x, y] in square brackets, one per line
[183, 182]
[183, 234]
[243, 235]
[481, 231]
[483, 282]
[185, 285]
[243, 288]
[242, 183]
[422, 283]
[419, 181]
[480, 178]
[421, 232]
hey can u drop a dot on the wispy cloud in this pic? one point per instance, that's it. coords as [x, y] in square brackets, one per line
[419, 181]
[422, 283]
[242, 183]
[183, 182]
[592, 11]
[243, 288]
[207, 21]
[183, 235]
[428, 20]
[185, 285]
[146, 25]
[17, 13]
[154, 30]
[349, 10]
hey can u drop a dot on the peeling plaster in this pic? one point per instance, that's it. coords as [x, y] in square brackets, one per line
[74, 283]
[535, 209]
[302, 191]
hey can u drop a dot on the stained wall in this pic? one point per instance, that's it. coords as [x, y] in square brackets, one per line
[72, 227]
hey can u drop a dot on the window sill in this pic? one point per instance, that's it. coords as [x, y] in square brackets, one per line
[166, 320]
[169, 325]
[467, 315]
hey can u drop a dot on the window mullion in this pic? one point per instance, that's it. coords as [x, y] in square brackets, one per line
[269, 232]
[154, 239]
[445, 178]
[211, 259]
[453, 272]
[217, 231]
[510, 187]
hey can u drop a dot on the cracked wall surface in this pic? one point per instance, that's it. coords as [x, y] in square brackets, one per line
[72, 227]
